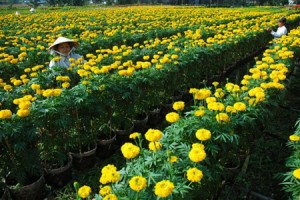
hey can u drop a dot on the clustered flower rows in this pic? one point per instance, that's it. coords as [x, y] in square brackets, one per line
[163, 52]
[215, 105]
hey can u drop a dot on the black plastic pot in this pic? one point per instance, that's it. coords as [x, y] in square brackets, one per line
[33, 191]
[105, 147]
[84, 160]
[59, 177]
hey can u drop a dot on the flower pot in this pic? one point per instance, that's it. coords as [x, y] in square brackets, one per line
[231, 169]
[123, 134]
[84, 160]
[59, 177]
[140, 123]
[154, 118]
[33, 191]
[4, 195]
[105, 147]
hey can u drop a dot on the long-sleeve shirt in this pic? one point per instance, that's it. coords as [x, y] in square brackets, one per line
[64, 61]
[280, 32]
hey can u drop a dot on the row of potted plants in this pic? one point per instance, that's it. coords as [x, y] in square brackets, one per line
[191, 153]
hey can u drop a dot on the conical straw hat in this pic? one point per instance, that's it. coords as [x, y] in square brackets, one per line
[63, 40]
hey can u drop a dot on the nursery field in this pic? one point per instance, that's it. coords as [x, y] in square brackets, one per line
[151, 108]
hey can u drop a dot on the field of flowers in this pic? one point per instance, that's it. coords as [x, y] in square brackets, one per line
[137, 59]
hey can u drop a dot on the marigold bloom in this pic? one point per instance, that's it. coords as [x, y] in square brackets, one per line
[194, 175]
[8, 88]
[23, 113]
[153, 146]
[105, 190]
[202, 94]
[179, 105]
[217, 106]
[222, 117]
[240, 106]
[296, 173]
[197, 145]
[35, 86]
[153, 135]
[203, 134]
[137, 183]
[199, 113]
[197, 155]
[294, 138]
[210, 99]
[172, 117]
[110, 197]
[5, 114]
[134, 135]
[24, 105]
[130, 150]
[215, 83]
[84, 191]
[173, 159]
[65, 85]
[230, 109]
[110, 177]
[163, 188]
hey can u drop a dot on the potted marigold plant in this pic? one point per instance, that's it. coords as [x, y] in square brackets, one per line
[21, 165]
[52, 117]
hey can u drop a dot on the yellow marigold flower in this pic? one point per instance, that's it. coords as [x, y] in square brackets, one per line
[173, 159]
[24, 104]
[8, 88]
[202, 94]
[296, 173]
[197, 145]
[158, 66]
[230, 109]
[199, 113]
[294, 138]
[174, 56]
[240, 106]
[110, 177]
[163, 188]
[217, 106]
[65, 85]
[108, 168]
[105, 190]
[179, 105]
[197, 154]
[137, 183]
[25, 80]
[84, 191]
[23, 113]
[110, 197]
[5, 114]
[57, 92]
[146, 57]
[130, 150]
[219, 93]
[156, 56]
[215, 83]
[222, 117]
[194, 175]
[210, 100]
[154, 146]
[172, 117]
[153, 135]
[134, 135]
[203, 134]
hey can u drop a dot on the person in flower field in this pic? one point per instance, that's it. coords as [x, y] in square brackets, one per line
[281, 30]
[64, 48]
